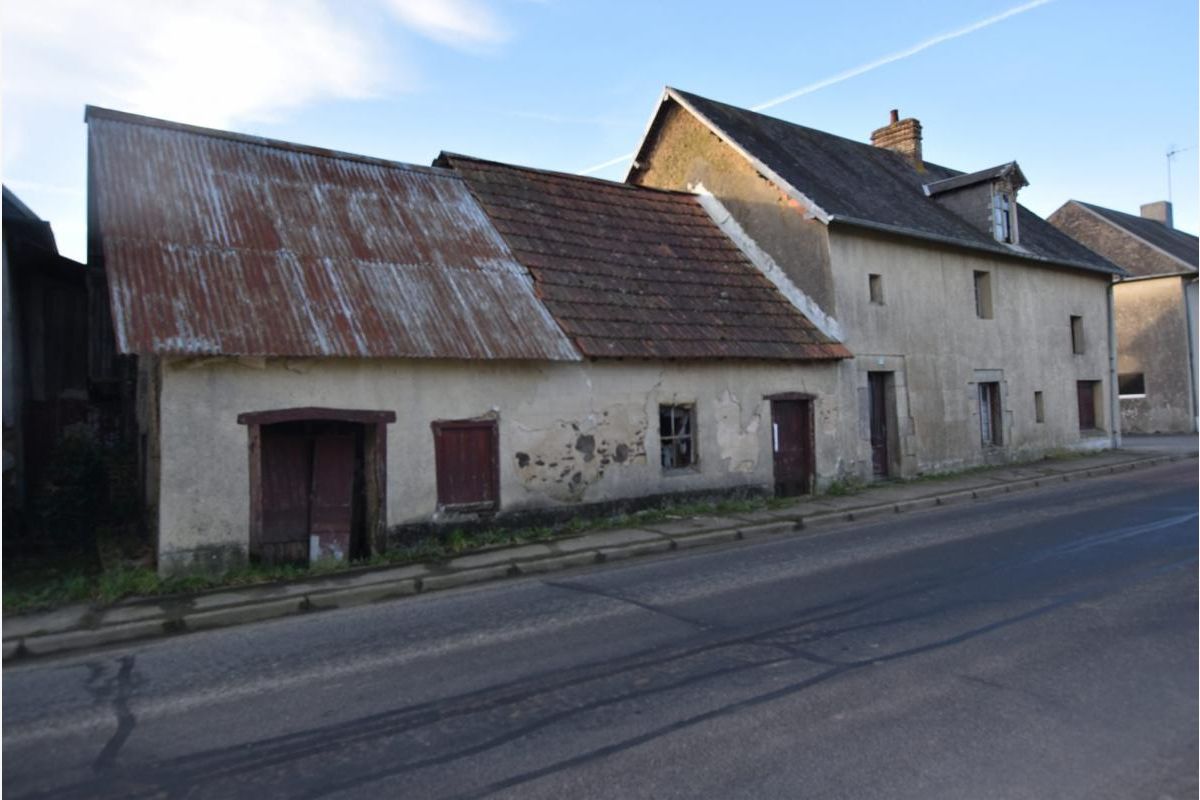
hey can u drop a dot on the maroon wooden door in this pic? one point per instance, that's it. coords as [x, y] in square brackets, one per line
[331, 496]
[792, 442]
[877, 388]
[1087, 405]
[286, 477]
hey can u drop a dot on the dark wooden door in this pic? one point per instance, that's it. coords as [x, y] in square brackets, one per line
[1087, 405]
[331, 496]
[877, 389]
[286, 479]
[792, 442]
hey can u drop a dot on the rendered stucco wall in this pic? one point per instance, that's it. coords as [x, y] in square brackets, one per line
[1152, 338]
[569, 433]
[928, 333]
[686, 155]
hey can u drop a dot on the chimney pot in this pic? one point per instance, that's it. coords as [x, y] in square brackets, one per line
[1160, 212]
[895, 115]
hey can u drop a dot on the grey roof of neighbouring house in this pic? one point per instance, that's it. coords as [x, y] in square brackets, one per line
[855, 183]
[1176, 243]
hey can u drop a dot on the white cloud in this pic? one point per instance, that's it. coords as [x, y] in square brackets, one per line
[211, 63]
[466, 24]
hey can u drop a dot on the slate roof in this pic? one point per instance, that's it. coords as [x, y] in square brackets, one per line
[854, 183]
[221, 244]
[639, 273]
[1179, 244]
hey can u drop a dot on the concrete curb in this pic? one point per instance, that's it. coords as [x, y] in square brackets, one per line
[81, 628]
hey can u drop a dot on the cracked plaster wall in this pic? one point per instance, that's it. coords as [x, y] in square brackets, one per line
[593, 427]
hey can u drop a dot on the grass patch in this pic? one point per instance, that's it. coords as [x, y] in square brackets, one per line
[845, 487]
[29, 587]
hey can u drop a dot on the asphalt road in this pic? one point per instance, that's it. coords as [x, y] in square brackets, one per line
[1043, 645]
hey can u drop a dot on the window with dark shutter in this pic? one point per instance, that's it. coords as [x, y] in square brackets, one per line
[467, 453]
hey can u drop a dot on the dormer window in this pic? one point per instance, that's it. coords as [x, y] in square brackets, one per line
[1002, 227]
[985, 200]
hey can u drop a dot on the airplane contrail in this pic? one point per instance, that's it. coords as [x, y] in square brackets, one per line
[862, 68]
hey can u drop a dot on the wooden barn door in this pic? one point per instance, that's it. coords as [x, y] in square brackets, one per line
[331, 496]
[286, 477]
[309, 473]
[792, 443]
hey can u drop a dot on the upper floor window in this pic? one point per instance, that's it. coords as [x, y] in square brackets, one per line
[875, 288]
[983, 294]
[1077, 335]
[1002, 227]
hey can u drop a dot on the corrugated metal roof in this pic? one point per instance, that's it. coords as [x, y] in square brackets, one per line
[639, 273]
[216, 243]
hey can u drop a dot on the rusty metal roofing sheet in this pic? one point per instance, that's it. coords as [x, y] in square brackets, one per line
[639, 273]
[217, 243]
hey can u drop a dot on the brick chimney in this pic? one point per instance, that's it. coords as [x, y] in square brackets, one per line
[1160, 211]
[902, 136]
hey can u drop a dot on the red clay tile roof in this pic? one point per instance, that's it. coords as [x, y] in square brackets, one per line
[639, 273]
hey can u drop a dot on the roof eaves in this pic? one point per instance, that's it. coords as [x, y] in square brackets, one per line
[1192, 274]
[814, 210]
[1189, 269]
[998, 250]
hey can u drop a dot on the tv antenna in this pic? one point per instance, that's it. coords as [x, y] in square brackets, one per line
[1173, 151]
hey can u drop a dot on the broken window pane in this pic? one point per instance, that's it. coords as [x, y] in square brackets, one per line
[675, 425]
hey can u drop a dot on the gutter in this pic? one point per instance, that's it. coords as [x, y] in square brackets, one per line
[1114, 401]
[910, 233]
[1189, 292]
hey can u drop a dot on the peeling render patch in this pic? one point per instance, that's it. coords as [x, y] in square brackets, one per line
[737, 442]
[561, 461]
[761, 259]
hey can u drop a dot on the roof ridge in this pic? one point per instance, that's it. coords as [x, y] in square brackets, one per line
[97, 112]
[847, 139]
[1106, 210]
[445, 154]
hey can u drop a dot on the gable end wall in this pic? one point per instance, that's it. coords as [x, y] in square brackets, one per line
[685, 154]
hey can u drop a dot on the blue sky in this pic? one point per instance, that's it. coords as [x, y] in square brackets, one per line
[1087, 95]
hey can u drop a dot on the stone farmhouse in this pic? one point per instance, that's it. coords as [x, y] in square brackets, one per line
[336, 351]
[1156, 310]
[980, 333]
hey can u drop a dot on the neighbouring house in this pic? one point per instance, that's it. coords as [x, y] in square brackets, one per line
[981, 334]
[1156, 310]
[333, 350]
[60, 374]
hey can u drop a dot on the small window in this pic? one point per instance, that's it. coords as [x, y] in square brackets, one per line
[1002, 217]
[467, 455]
[990, 425]
[983, 294]
[676, 431]
[1039, 407]
[1132, 384]
[1077, 335]
[875, 285]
